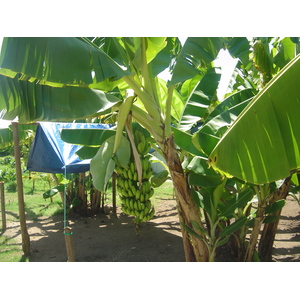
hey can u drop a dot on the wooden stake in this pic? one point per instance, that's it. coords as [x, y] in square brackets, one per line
[22, 216]
[3, 206]
[69, 244]
[114, 192]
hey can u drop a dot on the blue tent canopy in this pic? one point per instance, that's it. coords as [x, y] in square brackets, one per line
[50, 154]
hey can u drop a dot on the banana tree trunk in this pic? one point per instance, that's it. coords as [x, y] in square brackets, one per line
[195, 249]
[266, 242]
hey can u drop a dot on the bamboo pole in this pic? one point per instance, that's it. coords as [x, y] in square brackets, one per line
[3, 206]
[22, 216]
[69, 244]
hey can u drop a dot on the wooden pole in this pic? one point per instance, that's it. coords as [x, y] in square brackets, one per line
[114, 202]
[69, 244]
[3, 206]
[22, 215]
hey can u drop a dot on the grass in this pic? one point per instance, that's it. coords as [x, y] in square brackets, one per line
[35, 206]
[11, 251]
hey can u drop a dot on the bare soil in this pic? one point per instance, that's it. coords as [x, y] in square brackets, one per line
[113, 238]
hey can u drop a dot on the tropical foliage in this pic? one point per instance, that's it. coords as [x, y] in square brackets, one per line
[250, 139]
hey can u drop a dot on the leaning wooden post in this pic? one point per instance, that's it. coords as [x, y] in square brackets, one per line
[2, 206]
[69, 244]
[114, 192]
[22, 216]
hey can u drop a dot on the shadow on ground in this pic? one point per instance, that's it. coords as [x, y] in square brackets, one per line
[106, 238]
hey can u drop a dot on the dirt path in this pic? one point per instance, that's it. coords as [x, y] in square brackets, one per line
[109, 238]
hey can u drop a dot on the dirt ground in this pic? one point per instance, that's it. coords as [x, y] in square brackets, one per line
[112, 238]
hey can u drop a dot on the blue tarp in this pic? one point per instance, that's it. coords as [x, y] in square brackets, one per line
[50, 154]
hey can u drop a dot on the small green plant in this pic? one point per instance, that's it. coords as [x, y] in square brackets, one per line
[6, 160]
[8, 175]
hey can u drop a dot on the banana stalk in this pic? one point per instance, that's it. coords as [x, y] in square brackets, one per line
[168, 107]
[146, 73]
[154, 127]
[124, 110]
[135, 152]
[149, 103]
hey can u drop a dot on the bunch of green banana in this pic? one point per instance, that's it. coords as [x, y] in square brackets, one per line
[135, 197]
[142, 145]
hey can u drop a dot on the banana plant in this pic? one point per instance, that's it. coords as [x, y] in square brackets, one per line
[262, 142]
[220, 208]
[79, 77]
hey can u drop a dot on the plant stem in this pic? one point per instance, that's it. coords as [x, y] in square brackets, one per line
[134, 150]
[269, 231]
[168, 107]
[154, 127]
[262, 197]
[145, 70]
[149, 103]
[195, 249]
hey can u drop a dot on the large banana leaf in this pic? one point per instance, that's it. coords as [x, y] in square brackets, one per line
[87, 137]
[34, 102]
[57, 61]
[263, 144]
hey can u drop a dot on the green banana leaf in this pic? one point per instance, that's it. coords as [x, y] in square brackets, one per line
[102, 164]
[231, 101]
[158, 51]
[200, 99]
[286, 52]
[6, 135]
[57, 61]
[239, 47]
[86, 137]
[162, 91]
[90, 139]
[239, 200]
[263, 143]
[184, 141]
[195, 53]
[86, 152]
[199, 174]
[211, 132]
[239, 223]
[35, 102]
[164, 57]
[153, 45]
